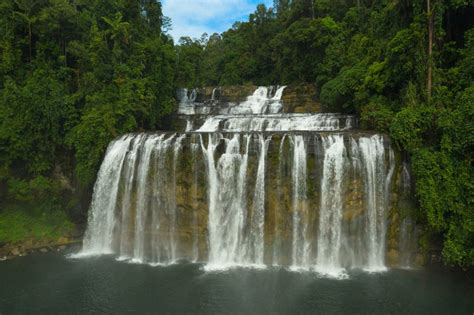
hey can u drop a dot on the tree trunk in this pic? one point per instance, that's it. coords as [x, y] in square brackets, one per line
[30, 40]
[430, 49]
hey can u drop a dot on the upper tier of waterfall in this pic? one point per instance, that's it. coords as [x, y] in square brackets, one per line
[264, 100]
[253, 187]
[261, 111]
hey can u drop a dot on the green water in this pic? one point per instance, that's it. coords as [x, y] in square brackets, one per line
[51, 284]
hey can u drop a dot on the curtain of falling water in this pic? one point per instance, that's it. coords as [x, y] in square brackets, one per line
[130, 166]
[301, 243]
[135, 213]
[330, 217]
[254, 248]
[373, 156]
[99, 235]
[227, 202]
[277, 237]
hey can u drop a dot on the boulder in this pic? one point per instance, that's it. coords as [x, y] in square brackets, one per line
[63, 240]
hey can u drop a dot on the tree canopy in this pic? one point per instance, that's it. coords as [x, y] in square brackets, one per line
[73, 76]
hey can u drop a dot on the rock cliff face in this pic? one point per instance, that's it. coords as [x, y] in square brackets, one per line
[301, 99]
[259, 180]
[296, 98]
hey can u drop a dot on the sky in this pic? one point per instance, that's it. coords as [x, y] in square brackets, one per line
[195, 17]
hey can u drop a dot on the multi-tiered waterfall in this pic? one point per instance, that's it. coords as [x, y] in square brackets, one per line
[251, 185]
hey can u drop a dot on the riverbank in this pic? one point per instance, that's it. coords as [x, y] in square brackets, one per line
[23, 233]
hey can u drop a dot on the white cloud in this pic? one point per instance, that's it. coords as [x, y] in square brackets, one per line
[194, 17]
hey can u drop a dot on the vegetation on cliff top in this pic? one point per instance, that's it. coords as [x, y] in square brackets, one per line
[74, 75]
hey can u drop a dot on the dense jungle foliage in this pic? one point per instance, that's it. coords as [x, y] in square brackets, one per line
[406, 67]
[75, 74]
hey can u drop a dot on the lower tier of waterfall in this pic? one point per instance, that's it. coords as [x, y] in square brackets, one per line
[308, 201]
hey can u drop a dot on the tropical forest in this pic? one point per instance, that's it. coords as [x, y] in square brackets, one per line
[316, 156]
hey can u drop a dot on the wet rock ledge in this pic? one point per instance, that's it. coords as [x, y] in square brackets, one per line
[12, 250]
[300, 98]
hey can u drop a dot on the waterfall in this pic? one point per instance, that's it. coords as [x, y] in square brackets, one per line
[277, 244]
[142, 200]
[164, 205]
[300, 246]
[255, 248]
[99, 235]
[328, 260]
[279, 93]
[227, 202]
[275, 105]
[213, 95]
[260, 102]
[192, 96]
[189, 124]
[187, 101]
[372, 153]
[251, 188]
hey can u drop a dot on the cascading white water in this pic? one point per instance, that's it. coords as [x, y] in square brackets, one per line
[129, 174]
[227, 203]
[186, 100]
[300, 244]
[373, 154]
[260, 102]
[164, 205]
[128, 204]
[235, 231]
[329, 209]
[255, 247]
[328, 260]
[99, 235]
[173, 210]
[142, 200]
[277, 122]
[213, 96]
[279, 93]
[275, 105]
[278, 239]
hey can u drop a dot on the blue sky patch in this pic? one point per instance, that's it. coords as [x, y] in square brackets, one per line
[195, 17]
